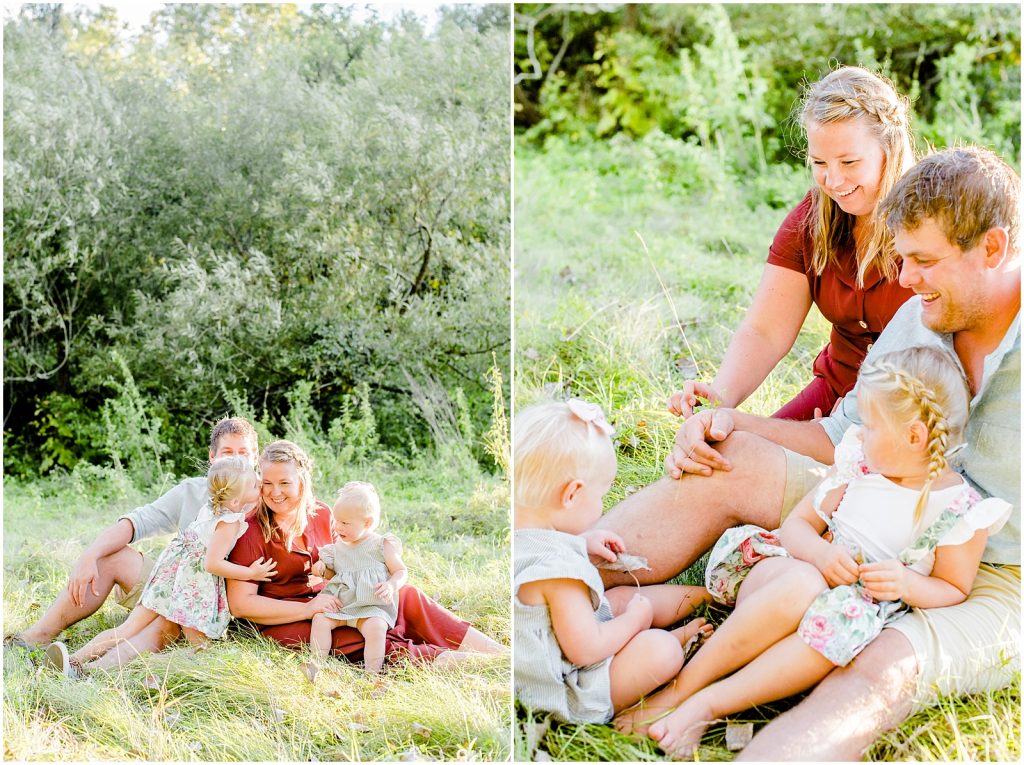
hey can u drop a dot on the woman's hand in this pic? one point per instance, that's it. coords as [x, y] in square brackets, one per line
[320, 603]
[692, 452]
[603, 544]
[262, 570]
[885, 579]
[682, 403]
[837, 565]
[386, 591]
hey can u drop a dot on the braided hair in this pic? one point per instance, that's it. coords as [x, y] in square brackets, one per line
[226, 480]
[286, 451]
[848, 93]
[923, 385]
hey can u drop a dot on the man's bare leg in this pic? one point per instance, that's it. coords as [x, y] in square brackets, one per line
[674, 522]
[123, 567]
[847, 711]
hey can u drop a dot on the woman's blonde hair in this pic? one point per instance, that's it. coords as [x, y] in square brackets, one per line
[551, 445]
[848, 93]
[286, 451]
[226, 480]
[364, 496]
[925, 385]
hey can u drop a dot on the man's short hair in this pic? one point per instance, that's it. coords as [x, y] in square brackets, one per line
[966, 190]
[232, 426]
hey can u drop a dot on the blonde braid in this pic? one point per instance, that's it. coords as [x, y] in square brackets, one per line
[925, 406]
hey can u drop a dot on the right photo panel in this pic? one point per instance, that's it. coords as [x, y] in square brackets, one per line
[766, 434]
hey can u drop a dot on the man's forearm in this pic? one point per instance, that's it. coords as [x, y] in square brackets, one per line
[111, 539]
[807, 438]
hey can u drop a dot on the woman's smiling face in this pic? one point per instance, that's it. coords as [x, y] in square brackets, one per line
[280, 487]
[847, 161]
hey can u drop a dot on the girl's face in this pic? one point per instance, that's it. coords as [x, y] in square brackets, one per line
[280, 486]
[251, 493]
[351, 523]
[585, 507]
[889, 448]
[847, 162]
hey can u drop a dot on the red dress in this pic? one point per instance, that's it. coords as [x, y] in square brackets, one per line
[423, 628]
[858, 315]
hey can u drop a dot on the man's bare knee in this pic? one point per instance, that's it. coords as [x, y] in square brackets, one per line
[123, 566]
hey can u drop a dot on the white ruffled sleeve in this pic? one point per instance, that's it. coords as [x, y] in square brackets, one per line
[232, 518]
[990, 514]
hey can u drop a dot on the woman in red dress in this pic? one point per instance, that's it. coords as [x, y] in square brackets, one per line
[831, 250]
[289, 526]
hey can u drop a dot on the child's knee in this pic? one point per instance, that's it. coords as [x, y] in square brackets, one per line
[663, 655]
[374, 628]
[803, 584]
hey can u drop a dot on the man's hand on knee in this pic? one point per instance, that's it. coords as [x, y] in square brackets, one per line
[693, 452]
[83, 578]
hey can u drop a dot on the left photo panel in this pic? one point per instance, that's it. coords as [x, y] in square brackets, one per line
[256, 382]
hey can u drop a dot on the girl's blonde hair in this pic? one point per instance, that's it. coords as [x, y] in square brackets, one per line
[847, 93]
[552, 445]
[226, 480]
[286, 451]
[364, 496]
[919, 384]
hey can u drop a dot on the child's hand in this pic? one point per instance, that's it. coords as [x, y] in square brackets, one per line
[837, 565]
[885, 580]
[386, 591]
[318, 569]
[262, 570]
[641, 609]
[603, 544]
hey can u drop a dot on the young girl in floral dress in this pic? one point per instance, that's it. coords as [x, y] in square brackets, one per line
[892, 526]
[186, 587]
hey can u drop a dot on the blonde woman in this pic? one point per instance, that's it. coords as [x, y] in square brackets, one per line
[831, 250]
[289, 526]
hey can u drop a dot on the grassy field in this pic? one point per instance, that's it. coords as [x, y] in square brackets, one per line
[599, 318]
[245, 699]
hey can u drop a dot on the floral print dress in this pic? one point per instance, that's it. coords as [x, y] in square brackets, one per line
[842, 620]
[181, 589]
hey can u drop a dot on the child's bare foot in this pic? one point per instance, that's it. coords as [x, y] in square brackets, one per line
[635, 720]
[679, 733]
[692, 629]
[310, 670]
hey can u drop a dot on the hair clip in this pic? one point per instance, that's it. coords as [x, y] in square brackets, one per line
[590, 414]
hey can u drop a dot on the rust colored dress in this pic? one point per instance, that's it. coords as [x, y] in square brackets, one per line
[423, 627]
[858, 315]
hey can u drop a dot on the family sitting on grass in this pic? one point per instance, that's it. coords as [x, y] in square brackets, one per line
[882, 582]
[258, 547]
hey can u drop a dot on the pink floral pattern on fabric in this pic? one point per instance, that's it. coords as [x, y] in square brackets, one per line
[733, 556]
[182, 590]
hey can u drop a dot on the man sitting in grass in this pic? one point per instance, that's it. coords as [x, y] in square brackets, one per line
[110, 564]
[955, 217]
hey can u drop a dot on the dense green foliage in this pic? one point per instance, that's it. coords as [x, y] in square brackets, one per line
[250, 209]
[727, 77]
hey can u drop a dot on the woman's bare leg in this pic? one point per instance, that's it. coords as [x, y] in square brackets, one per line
[477, 642]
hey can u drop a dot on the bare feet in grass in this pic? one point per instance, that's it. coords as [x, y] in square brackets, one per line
[637, 719]
[678, 734]
[310, 670]
[695, 628]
